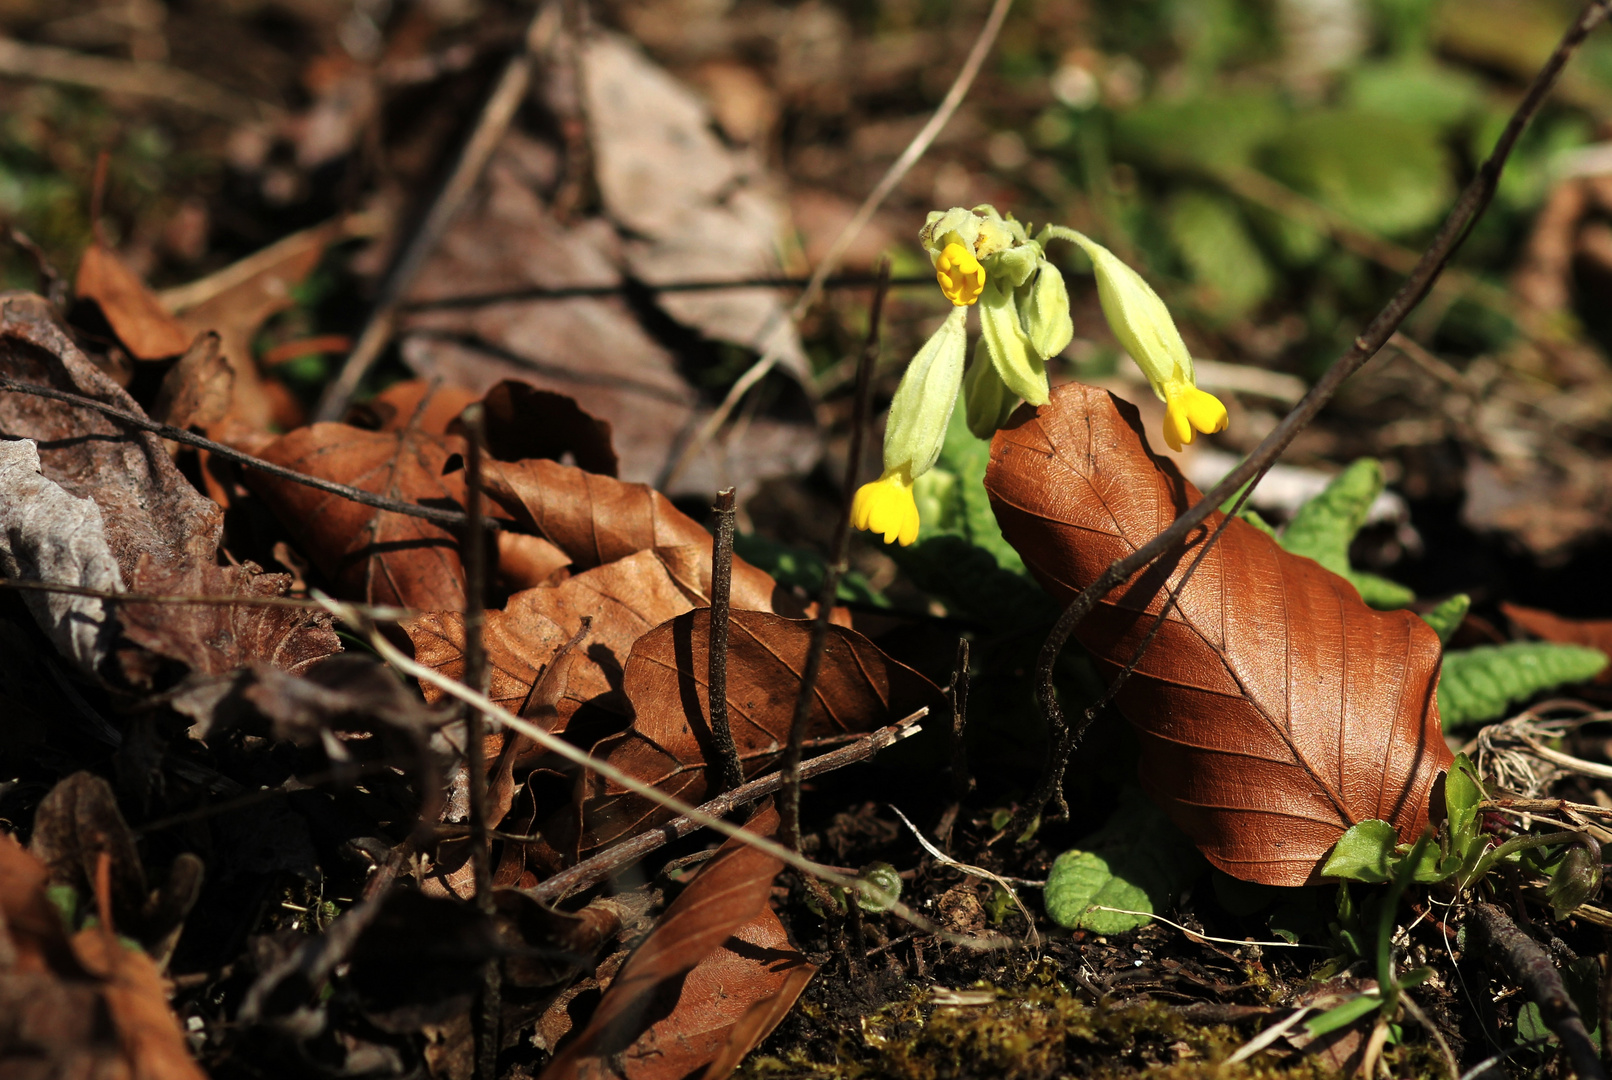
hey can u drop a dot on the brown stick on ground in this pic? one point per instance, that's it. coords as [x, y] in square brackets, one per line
[730, 770]
[1525, 962]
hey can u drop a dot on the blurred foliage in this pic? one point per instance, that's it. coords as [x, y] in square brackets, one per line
[1220, 141]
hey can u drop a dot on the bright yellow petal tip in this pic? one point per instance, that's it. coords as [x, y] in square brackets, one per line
[886, 506]
[961, 276]
[1189, 410]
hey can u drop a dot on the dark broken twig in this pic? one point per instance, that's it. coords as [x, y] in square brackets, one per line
[1525, 962]
[1470, 204]
[730, 772]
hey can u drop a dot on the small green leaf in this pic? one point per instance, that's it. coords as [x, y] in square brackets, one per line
[1139, 861]
[1323, 528]
[1363, 853]
[1341, 1016]
[1478, 684]
[1446, 619]
[1462, 794]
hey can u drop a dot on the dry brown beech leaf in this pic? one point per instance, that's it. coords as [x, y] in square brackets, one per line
[162, 532]
[524, 422]
[85, 1006]
[1548, 626]
[135, 314]
[413, 403]
[1275, 708]
[668, 745]
[373, 555]
[705, 987]
[596, 520]
[623, 600]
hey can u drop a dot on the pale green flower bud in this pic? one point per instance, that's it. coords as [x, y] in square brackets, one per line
[1045, 311]
[1018, 364]
[923, 403]
[987, 400]
[1143, 326]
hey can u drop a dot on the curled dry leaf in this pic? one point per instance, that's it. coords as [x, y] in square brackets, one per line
[623, 600]
[524, 422]
[373, 555]
[705, 987]
[596, 519]
[1275, 708]
[135, 314]
[1596, 633]
[163, 534]
[413, 403]
[858, 689]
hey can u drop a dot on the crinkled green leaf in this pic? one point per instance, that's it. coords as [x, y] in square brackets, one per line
[1139, 861]
[1363, 853]
[1446, 619]
[1323, 528]
[1478, 684]
[1385, 173]
[1231, 275]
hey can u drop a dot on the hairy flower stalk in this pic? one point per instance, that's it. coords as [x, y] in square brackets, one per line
[986, 260]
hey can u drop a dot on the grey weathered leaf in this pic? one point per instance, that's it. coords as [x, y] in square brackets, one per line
[48, 535]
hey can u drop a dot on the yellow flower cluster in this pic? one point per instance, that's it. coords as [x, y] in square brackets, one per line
[980, 256]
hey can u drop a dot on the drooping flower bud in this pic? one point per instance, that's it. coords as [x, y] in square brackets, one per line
[1045, 311]
[986, 399]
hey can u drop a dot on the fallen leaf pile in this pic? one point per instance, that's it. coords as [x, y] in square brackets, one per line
[598, 629]
[1275, 708]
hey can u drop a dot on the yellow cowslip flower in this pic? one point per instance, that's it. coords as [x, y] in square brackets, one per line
[886, 506]
[1187, 409]
[1143, 326]
[984, 259]
[961, 276]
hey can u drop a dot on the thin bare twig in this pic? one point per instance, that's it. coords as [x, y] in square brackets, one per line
[1471, 203]
[495, 119]
[730, 770]
[572, 292]
[229, 453]
[789, 801]
[898, 170]
[577, 756]
[139, 78]
[371, 611]
[594, 870]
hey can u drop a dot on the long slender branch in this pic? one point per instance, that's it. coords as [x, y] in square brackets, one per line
[229, 453]
[814, 286]
[1471, 203]
[573, 292]
[494, 120]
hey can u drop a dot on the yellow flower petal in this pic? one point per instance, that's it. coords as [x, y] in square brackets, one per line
[886, 506]
[1188, 410]
[961, 276]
